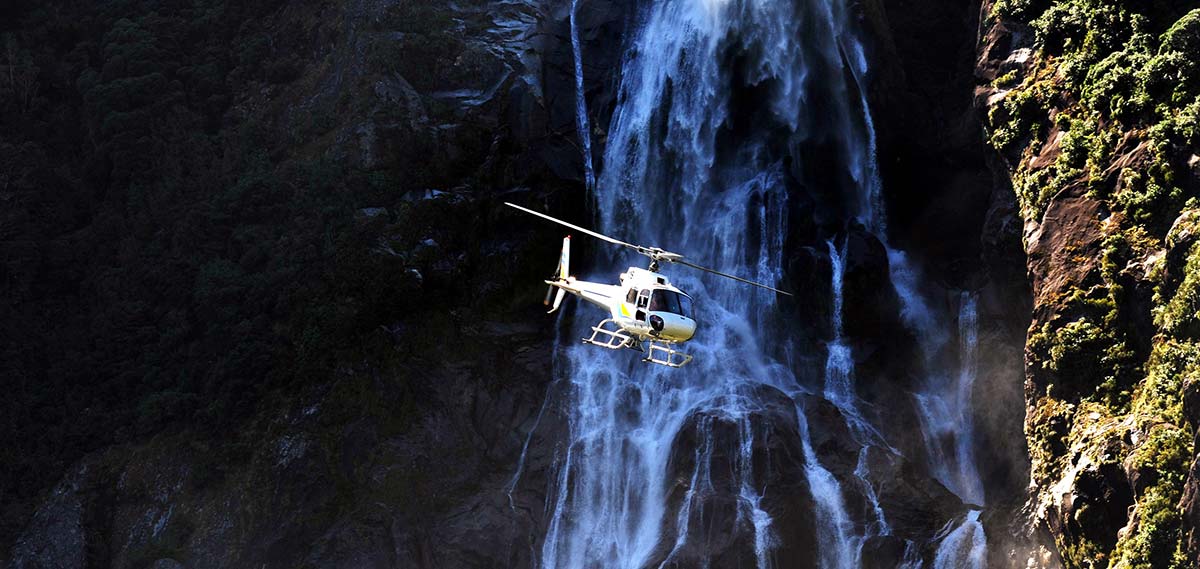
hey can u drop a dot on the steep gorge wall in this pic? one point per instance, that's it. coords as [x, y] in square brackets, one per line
[1092, 109]
[1111, 254]
[281, 323]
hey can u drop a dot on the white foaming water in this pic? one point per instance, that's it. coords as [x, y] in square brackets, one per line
[839, 360]
[880, 525]
[838, 366]
[610, 505]
[944, 406]
[701, 481]
[841, 546]
[839, 390]
[946, 414]
[965, 547]
[949, 433]
[670, 181]
[581, 115]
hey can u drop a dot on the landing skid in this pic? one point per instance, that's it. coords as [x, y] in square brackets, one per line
[662, 353]
[612, 339]
[607, 334]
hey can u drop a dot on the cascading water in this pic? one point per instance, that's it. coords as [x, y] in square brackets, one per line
[948, 424]
[581, 115]
[624, 415]
[841, 545]
[965, 547]
[682, 170]
[945, 409]
[946, 412]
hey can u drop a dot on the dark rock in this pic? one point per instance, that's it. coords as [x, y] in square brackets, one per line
[1189, 504]
[56, 536]
[1095, 507]
[883, 552]
[832, 441]
[1064, 249]
[717, 529]
[1182, 237]
[917, 506]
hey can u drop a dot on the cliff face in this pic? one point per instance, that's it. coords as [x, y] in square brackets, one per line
[258, 307]
[258, 249]
[1092, 109]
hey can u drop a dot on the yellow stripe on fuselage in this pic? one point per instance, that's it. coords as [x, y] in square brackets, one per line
[624, 310]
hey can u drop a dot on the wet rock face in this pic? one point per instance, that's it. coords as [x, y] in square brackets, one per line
[712, 448]
[404, 459]
[56, 536]
[379, 490]
[707, 454]
[1064, 250]
[1190, 504]
[952, 209]
[916, 507]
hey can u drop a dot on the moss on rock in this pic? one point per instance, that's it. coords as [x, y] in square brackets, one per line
[1110, 103]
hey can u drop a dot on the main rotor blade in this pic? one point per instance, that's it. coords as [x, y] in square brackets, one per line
[577, 228]
[656, 254]
[729, 276]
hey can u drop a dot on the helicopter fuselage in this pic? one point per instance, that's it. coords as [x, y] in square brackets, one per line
[645, 305]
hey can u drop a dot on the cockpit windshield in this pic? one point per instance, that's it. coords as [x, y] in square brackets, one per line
[671, 301]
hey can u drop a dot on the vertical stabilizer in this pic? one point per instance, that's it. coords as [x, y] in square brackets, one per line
[564, 262]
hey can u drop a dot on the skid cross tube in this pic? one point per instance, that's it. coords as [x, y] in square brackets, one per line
[611, 339]
[663, 354]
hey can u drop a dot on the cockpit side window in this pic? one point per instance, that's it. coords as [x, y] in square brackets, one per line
[631, 296]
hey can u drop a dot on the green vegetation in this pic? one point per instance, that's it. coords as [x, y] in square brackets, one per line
[1103, 68]
[1178, 314]
[1047, 426]
[1109, 107]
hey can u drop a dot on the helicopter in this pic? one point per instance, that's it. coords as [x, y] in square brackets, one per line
[647, 313]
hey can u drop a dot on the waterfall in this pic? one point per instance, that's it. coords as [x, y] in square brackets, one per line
[965, 547]
[944, 406]
[625, 415]
[838, 367]
[581, 115]
[701, 480]
[839, 363]
[841, 546]
[691, 169]
[949, 433]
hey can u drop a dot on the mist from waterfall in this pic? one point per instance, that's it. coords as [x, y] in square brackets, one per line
[671, 178]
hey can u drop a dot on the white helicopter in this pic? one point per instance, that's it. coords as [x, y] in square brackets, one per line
[648, 314]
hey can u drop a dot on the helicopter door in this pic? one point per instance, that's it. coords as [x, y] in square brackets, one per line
[643, 301]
